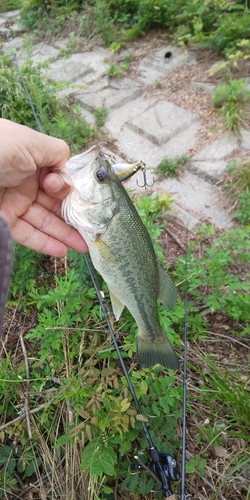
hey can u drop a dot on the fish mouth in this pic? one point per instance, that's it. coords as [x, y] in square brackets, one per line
[82, 165]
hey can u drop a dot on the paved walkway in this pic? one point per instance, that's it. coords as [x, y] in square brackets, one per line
[142, 124]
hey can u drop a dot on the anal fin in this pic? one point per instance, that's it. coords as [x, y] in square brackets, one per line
[167, 289]
[117, 305]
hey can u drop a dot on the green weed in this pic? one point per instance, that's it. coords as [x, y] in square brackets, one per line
[26, 273]
[197, 464]
[114, 71]
[117, 70]
[57, 117]
[215, 280]
[158, 84]
[73, 45]
[151, 209]
[171, 166]
[239, 176]
[238, 187]
[100, 116]
[7, 5]
[232, 100]
[226, 395]
[243, 208]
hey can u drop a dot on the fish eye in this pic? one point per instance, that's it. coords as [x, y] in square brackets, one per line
[101, 175]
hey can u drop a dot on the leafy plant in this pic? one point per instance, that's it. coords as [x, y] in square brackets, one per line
[216, 272]
[231, 100]
[114, 71]
[218, 25]
[243, 208]
[170, 166]
[27, 271]
[239, 172]
[56, 117]
[238, 186]
[117, 70]
[22, 460]
[226, 395]
[8, 5]
[196, 464]
[73, 45]
[100, 116]
[158, 84]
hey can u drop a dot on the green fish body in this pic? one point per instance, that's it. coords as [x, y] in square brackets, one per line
[120, 247]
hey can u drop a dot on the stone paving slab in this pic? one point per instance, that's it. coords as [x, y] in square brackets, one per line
[135, 146]
[98, 60]
[158, 61]
[78, 86]
[71, 90]
[162, 122]
[245, 139]
[188, 220]
[208, 170]
[3, 29]
[201, 197]
[111, 96]
[206, 86]
[10, 14]
[16, 43]
[89, 117]
[42, 52]
[17, 28]
[218, 150]
[67, 71]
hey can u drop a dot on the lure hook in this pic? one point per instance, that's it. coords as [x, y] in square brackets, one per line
[145, 183]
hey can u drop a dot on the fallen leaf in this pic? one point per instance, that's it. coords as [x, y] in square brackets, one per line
[221, 452]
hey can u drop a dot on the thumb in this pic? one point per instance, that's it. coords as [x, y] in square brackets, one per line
[54, 186]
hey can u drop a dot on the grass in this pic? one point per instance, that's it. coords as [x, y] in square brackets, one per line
[171, 166]
[237, 187]
[225, 393]
[232, 101]
[118, 70]
[8, 5]
[57, 117]
[100, 115]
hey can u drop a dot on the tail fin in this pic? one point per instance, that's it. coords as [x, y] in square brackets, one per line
[156, 351]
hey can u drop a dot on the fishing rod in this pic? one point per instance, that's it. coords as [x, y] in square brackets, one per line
[162, 466]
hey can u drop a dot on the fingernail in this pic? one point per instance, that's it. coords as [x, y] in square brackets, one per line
[55, 183]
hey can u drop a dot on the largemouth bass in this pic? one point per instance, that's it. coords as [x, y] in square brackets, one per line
[120, 247]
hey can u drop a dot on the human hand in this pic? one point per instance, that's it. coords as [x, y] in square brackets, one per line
[31, 194]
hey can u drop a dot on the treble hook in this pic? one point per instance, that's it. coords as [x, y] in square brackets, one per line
[145, 183]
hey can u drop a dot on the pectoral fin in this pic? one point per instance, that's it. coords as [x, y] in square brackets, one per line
[117, 305]
[167, 289]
